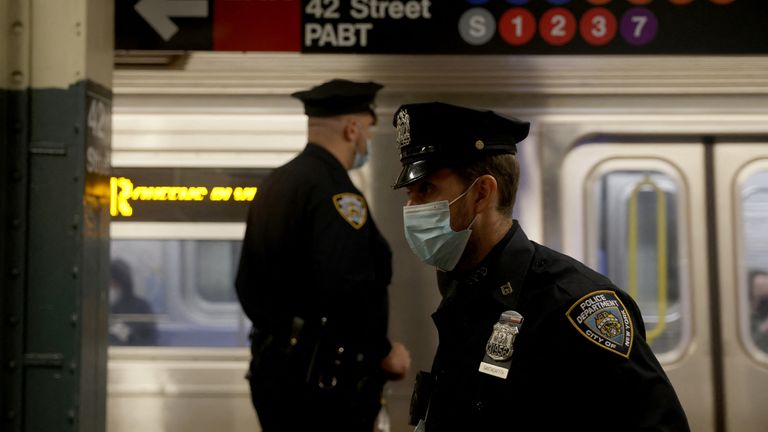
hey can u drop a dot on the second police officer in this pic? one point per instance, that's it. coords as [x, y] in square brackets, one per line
[313, 277]
[529, 339]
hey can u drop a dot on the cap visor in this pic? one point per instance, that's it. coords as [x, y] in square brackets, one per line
[414, 172]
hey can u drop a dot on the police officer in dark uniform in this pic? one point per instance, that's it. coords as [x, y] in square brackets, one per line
[313, 278]
[529, 339]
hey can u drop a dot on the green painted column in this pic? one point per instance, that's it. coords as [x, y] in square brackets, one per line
[55, 116]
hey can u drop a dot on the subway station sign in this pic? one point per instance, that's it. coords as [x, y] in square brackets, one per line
[446, 26]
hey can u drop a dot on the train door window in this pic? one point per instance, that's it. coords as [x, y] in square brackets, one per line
[638, 240]
[181, 288]
[214, 264]
[754, 222]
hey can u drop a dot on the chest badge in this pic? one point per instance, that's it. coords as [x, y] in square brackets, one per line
[352, 208]
[500, 346]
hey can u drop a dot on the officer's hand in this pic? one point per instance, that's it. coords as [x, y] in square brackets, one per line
[397, 362]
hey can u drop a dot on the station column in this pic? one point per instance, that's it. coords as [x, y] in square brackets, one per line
[56, 62]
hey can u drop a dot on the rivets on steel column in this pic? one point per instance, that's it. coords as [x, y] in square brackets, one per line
[71, 416]
[13, 320]
[15, 272]
[73, 320]
[75, 272]
[11, 365]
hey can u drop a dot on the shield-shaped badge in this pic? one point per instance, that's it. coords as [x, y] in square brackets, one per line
[601, 317]
[500, 346]
[352, 208]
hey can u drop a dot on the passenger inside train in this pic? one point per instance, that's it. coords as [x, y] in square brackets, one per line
[131, 320]
[758, 294]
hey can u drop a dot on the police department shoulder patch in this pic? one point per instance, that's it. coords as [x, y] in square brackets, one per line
[602, 318]
[352, 207]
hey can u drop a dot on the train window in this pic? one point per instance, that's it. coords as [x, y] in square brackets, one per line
[754, 219]
[175, 292]
[639, 244]
[176, 237]
[214, 264]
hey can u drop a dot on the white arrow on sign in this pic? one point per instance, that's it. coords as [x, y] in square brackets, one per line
[158, 12]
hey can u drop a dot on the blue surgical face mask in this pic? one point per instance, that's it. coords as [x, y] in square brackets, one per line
[362, 158]
[429, 234]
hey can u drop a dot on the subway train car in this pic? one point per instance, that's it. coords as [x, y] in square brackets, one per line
[650, 169]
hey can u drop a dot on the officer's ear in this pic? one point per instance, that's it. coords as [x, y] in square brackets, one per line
[349, 130]
[486, 193]
[352, 128]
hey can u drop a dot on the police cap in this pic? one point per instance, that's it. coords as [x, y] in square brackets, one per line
[338, 97]
[437, 135]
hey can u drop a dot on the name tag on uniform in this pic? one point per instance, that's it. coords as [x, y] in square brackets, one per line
[500, 346]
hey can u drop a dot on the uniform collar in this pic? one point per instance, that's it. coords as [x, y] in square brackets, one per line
[501, 273]
[318, 152]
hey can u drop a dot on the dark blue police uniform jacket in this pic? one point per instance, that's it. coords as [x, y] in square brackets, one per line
[580, 360]
[313, 279]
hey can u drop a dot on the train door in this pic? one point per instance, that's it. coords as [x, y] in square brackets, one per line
[636, 213]
[741, 186]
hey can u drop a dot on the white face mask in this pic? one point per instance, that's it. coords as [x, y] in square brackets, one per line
[430, 236]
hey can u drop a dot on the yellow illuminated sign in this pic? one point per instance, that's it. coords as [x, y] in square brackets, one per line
[123, 191]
